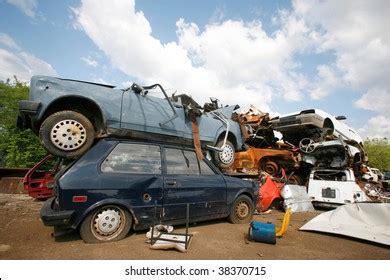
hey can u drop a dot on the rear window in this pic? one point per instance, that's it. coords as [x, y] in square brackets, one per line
[133, 158]
[330, 176]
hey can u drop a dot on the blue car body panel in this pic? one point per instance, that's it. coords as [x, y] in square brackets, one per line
[125, 110]
[209, 196]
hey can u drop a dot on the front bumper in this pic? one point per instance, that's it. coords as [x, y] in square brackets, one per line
[51, 217]
[28, 111]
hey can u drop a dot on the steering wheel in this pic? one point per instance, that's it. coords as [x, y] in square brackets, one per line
[307, 145]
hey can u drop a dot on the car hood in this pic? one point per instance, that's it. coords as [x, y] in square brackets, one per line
[86, 82]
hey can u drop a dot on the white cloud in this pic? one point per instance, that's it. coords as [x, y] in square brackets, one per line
[326, 82]
[28, 7]
[376, 99]
[7, 41]
[236, 61]
[90, 61]
[376, 127]
[356, 32]
[21, 64]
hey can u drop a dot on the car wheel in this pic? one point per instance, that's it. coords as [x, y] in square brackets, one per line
[108, 223]
[270, 167]
[67, 134]
[242, 210]
[225, 158]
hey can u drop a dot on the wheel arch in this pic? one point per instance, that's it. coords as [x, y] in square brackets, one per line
[85, 106]
[231, 137]
[244, 193]
[328, 124]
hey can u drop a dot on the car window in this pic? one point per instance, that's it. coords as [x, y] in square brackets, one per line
[133, 158]
[205, 169]
[181, 162]
[330, 176]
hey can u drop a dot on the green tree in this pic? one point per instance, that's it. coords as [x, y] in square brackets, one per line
[378, 152]
[17, 148]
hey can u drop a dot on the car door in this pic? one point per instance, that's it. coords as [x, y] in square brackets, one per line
[188, 181]
[146, 113]
[38, 179]
[133, 171]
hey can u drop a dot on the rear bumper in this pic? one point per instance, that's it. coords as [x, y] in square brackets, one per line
[51, 217]
[28, 111]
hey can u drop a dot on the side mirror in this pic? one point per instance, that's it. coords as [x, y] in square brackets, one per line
[341, 118]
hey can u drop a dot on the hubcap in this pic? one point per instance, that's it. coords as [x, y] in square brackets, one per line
[242, 210]
[107, 222]
[68, 135]
[227, 155]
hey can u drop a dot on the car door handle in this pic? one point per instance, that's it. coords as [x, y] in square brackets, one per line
[170, 183]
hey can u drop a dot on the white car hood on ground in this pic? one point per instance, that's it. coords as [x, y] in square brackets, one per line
[368, 221]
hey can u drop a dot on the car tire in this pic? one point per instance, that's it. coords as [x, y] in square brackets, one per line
[106, 224]
[269, 166]
[242, 210]
[224, 159]
[67, 134]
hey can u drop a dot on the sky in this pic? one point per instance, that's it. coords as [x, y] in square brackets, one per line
[280, 56]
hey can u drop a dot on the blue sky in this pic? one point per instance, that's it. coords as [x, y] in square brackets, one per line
[281, 56]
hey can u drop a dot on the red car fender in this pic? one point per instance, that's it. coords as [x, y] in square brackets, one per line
[268, 192]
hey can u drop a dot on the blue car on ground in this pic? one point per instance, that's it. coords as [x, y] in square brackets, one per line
[69, 115]
[119, 185]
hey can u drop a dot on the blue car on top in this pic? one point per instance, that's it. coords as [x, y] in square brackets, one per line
[119, 185]
[69, 115]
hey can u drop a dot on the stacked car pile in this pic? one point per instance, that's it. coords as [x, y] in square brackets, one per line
[140, 156]
[316, 149]
[144, 171]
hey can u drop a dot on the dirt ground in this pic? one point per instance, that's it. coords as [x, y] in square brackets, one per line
[23, 236]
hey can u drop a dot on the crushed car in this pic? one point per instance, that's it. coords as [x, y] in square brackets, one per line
[122, 184]
[314, 124]
[332, 187]
[68, 115]
[263, 151]
[332, 153]
[39, 180]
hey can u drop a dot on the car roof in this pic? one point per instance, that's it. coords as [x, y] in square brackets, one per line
[148, 142]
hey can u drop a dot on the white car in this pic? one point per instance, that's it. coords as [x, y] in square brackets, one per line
[332, 187]
[373, 174]
[313, 123]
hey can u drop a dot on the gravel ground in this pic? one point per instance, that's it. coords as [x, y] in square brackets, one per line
[23, 237]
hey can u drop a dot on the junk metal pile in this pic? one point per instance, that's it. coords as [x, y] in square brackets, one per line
[313, 149]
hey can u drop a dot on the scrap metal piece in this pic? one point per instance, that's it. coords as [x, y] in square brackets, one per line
[255, 128]
[268, 192]
[367, 221]
[296, 198]
[225, 121]
[286, 221]
[195, 133]
[270, 160]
